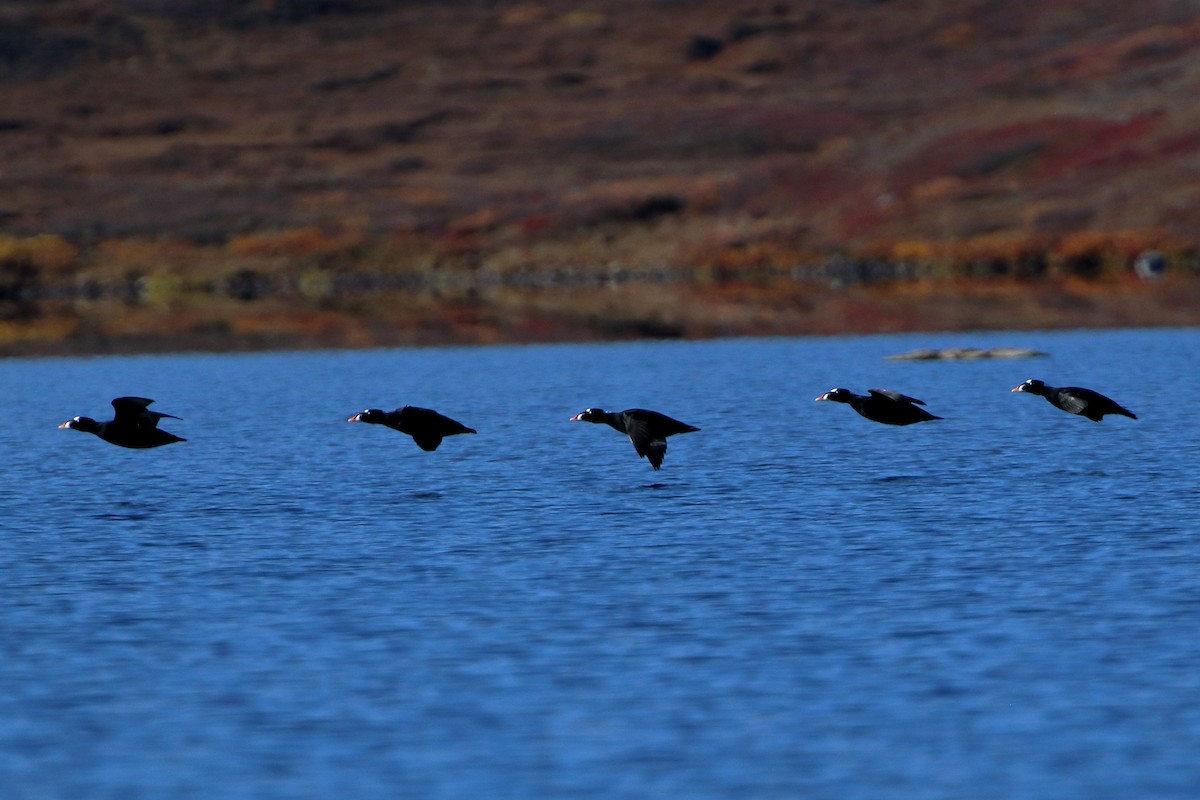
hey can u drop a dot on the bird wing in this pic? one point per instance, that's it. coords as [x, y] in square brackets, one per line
[638, 429]
[1077, 400]
[896, 396]
[134, 411]
[1090, 403]
[655, 451]
[427, 441]
[644, 442]
[130, 409]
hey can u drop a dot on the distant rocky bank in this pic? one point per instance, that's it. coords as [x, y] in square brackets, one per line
[160, 319]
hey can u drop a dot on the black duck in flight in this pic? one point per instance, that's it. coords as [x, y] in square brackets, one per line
[426, 426]
[648, 430]
[133, 425]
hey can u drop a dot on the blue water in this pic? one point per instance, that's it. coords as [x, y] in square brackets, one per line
[802, 603]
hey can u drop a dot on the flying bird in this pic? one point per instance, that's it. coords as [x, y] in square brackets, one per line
[648, 430]
[133, 425]
[1074, 400]
[882, 405]
[426, 426]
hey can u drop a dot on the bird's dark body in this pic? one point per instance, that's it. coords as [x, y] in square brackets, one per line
[648, 430]
[882, 405]
[1075, 400]
[426, 426]
[133, 425]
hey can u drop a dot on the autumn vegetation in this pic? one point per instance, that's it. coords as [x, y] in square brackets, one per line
[230, 174]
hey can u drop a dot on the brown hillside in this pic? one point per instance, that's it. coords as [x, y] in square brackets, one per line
[313, 154]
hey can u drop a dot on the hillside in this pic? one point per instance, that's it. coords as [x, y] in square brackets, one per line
[254, 173]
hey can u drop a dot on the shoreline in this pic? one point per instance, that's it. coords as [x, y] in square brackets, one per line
[628, 313]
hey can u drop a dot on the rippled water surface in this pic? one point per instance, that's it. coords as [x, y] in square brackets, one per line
[1003, 604]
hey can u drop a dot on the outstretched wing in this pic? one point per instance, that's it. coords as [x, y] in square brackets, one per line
[896, 396]
[129, 409]
[655, 452]
[135, 411]
[427, 441]
[646, 444]
[1091, 404]
[1077, 400]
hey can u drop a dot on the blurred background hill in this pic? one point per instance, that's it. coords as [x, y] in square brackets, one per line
[228, 173]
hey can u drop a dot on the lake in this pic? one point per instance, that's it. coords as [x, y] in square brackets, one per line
[801, 604]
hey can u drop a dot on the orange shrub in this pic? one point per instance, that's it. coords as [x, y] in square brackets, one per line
[161, 255]
[915, 251]
[44, 252]
[296, 242]
[1092, 251]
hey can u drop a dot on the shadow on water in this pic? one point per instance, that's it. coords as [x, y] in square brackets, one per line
[184, 544]
[135, 516]
[127, 511]
[900, 478]
[667, 491]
